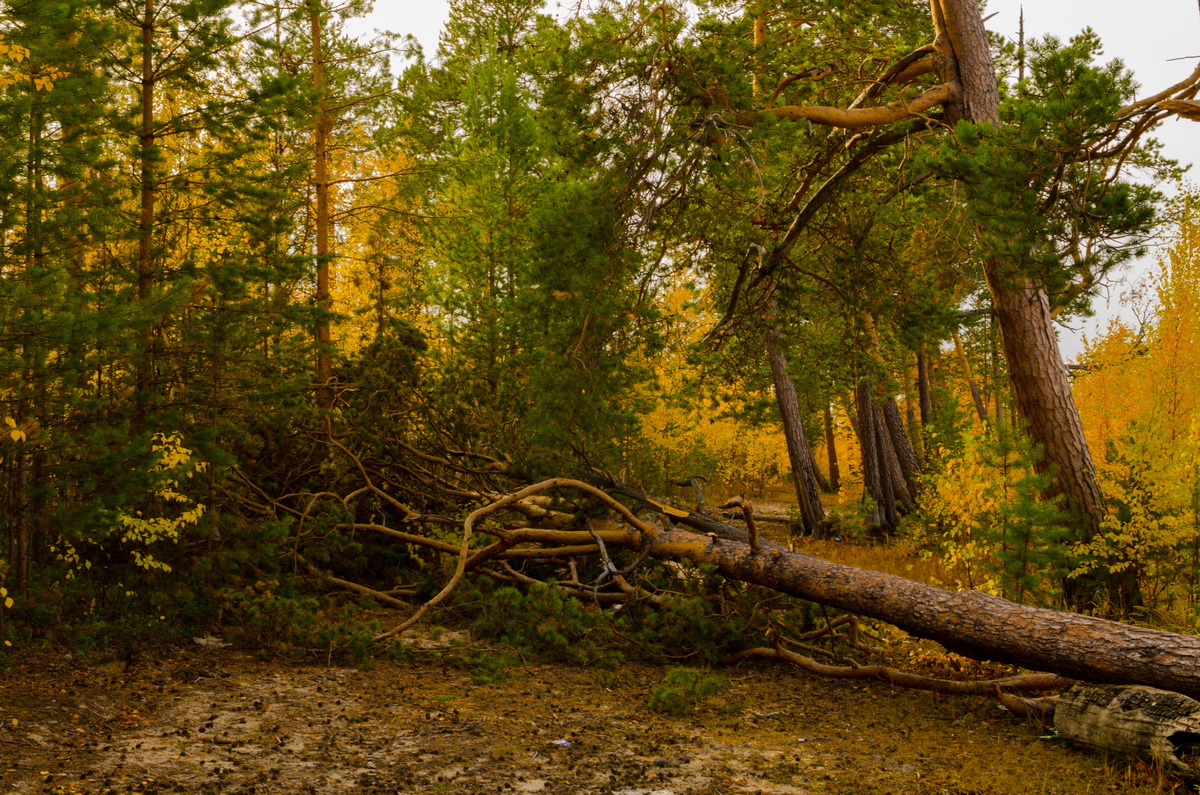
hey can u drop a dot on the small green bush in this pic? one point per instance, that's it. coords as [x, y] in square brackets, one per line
[684, 689]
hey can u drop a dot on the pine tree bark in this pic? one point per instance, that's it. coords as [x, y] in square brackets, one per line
[835, 475]
[808, 496]
[144, 368]
[916, 435]
[321, 131]
[880, 478]
[923, 395]
[906, 457]
[971, 623]
[1040, 385]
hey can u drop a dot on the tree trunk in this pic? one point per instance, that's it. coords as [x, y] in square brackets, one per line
[144, 369]
[897, 453]
[910, 469]
[877, 479]
[971, 623]
[835, 475]
[923, 388]
[890, 460]
[997, 377]
[321, 131]
[916, 436]
[1039, 379]
[980, 409]
[808, 496]
[1159, 726]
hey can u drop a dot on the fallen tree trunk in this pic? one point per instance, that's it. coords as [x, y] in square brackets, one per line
[971, 623]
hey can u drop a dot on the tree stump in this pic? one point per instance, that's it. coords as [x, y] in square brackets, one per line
[1158, 726]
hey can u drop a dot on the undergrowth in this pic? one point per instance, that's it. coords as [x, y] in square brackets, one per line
[683, 690]
[705, 625]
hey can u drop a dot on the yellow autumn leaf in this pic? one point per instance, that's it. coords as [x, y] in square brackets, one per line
[8, 602]
[17, 436]
[10, 422]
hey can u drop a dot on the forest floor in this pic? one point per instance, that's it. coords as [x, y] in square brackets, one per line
[218, 720]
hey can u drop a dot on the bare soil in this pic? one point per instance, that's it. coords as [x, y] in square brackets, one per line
[221, 721]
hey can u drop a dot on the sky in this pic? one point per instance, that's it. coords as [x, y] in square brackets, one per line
[1146, 35]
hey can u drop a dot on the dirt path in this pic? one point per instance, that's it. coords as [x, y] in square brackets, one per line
[220, 721]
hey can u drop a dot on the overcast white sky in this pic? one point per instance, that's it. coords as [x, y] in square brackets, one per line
[1146, 35]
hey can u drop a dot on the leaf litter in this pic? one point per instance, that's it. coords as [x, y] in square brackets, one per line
[216, 720]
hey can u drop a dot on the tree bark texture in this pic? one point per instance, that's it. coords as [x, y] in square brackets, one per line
[853, 118]
[972, 623]
[321, 130]
[835, 475]
[916, 436]
[882, 478]
[1157, 725]
[144, 374]
[923, 395]
[808, 496]
[1039, 380]
[910, 468]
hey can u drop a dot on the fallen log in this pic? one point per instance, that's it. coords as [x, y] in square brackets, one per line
[1158, 726]
[971, 623]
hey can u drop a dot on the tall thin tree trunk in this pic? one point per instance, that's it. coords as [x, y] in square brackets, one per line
[324, 223]
[906, 459]
[20, 507]
[879, 479]
[923, 395]
[898, 456]
[835, 475]
[144, 369]
[808, 496]
[980, 409]
[997, 376]
[916, 429]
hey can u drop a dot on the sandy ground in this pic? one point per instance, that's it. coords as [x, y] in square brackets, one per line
[220, 721]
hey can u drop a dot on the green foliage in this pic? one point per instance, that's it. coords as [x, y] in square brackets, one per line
[984, 514]
[490, 667]
[1151, 485]
[277, 619]
[1032, 185]
[706, 618]
[683, 690]
[546, 621]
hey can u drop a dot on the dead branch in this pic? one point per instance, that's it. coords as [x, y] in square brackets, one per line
[917, 63]
[992, 688]
[380, 596]
[1142, 104]
[479, 513]
[855, 118]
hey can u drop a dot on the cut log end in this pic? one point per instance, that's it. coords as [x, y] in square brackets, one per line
[1158, 726]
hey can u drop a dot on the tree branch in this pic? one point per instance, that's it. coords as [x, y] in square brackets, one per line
[855, 118]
